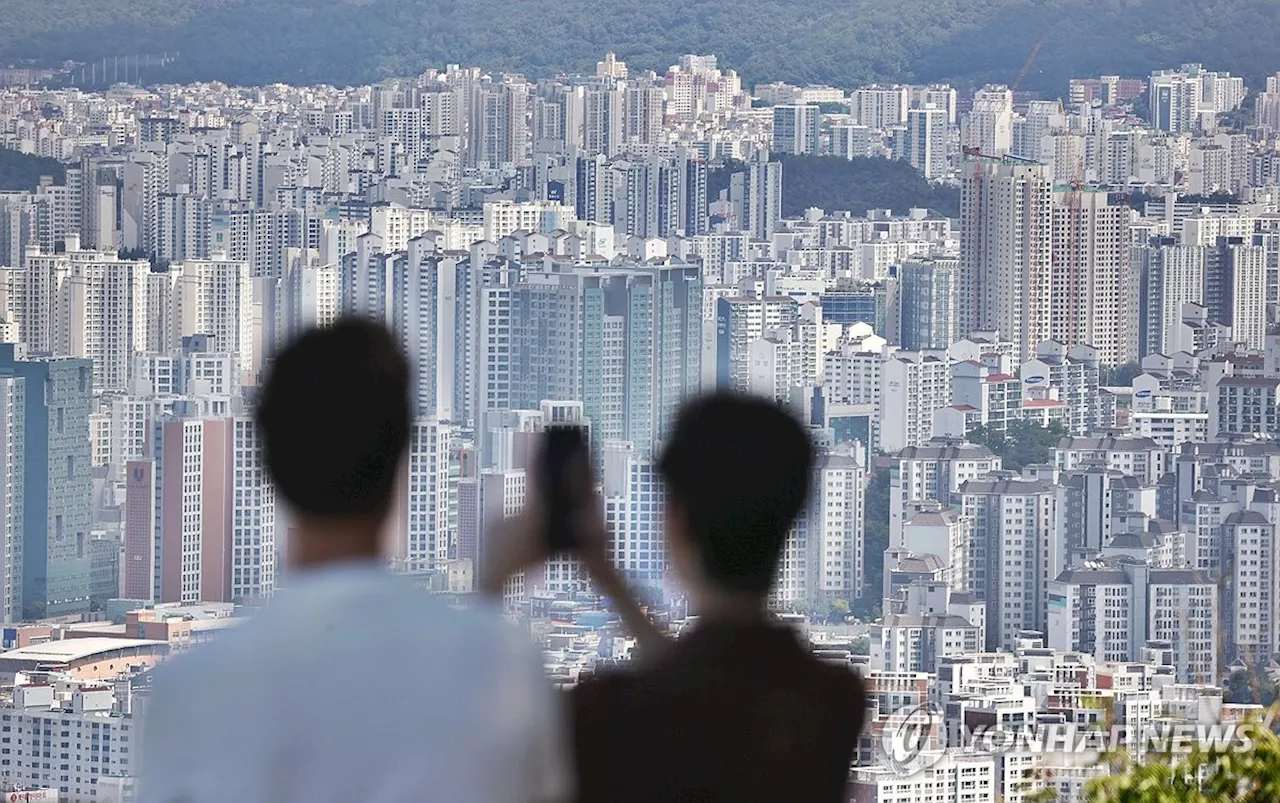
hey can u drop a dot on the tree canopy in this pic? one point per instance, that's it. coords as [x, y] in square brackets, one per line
[835, 184]
[1021, 444]
[838, 42]
[22, 171]
[1120, 375]
[875, 542]
[1244, 771]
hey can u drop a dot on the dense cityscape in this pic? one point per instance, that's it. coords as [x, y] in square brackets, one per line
[1046, 492]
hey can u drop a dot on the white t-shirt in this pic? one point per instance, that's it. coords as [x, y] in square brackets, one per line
[353, 688]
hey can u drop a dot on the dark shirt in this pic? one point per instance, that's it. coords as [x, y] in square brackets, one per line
[734, 713]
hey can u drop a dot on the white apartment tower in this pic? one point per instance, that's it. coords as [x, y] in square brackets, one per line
[756, 197]
[428, 514]
[776, 369]
[86, 303]
[1252, 590]
[1094, 292]
[633, 507]
[309, 298]
[927, 139]
[933, 472]
[424, 319]
[914, 385]
[1006, 248]
[989, 124]
[836, 526]
[643, 103]
[1111, 609]
[741, 321]
[215, 297]
[879, 107]
[12, 472]
[1009, 558]
[253, 517]
[796, 129]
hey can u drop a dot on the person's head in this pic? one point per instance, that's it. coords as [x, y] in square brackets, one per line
[737, 473]
[335, 421]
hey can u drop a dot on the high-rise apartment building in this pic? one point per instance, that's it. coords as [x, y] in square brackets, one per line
[604, 129]
[1235, 289]
[427, 520]
[933, 472]
[927, 306]
[796, 129]
[989, 124]
[1070, 374]
[879, 107]
[309, 298]
[425, 319]
[87, 303]
[1013, 553]
[91, 722]
[928, 138]
[505, 217]
[626, 340]
[52, 408]
[836, 521]
[1183, 100]
[1112, 610]
[1006, 249]
[741, 321]
[499, 131]
[647, 198]
[915, 384]
[633, 504]
[643, 108]
[1175, 101]
[215, 297]
[942, 96]
[1094, 290]
[1170, 275]
[253, 516]
[756, 197]
[12, 474]
[192, 464]
[203, 491]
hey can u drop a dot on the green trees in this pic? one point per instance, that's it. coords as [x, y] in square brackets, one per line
[1213, 775]
[1120, 375]
[21, 171]
[839, 42]
[834, 184]
[1250, 684]
[1022, 443]
[875, 542]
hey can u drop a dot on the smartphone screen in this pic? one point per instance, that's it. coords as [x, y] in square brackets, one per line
[566, 469]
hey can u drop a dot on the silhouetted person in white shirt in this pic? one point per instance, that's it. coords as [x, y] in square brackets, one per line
[350, 686]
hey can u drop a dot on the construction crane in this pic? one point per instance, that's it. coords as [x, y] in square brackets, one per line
[1026, 66]
[974, 152]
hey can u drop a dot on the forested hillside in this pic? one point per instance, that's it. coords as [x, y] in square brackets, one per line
[20, 171]
[831, 183]
[842, 42]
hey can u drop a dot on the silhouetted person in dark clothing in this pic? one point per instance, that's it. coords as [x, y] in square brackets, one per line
[738, 710]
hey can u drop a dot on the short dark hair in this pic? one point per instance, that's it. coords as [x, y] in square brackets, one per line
[335, 419]
[738, 468]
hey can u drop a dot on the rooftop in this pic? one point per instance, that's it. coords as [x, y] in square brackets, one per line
[75, 649]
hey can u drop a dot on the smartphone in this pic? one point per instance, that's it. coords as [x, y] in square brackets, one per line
[565, 482]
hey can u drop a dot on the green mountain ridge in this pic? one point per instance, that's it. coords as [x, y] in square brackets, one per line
[840, 42]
